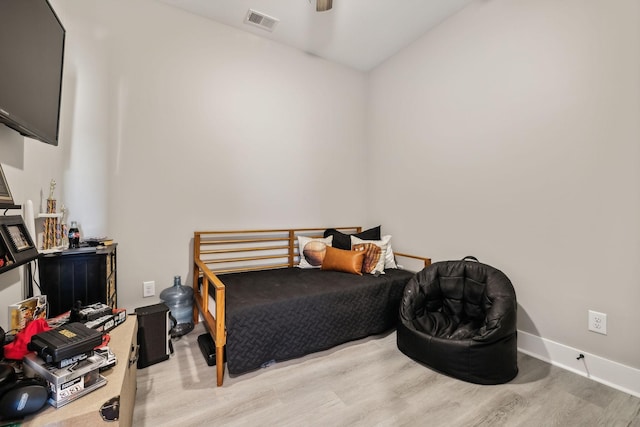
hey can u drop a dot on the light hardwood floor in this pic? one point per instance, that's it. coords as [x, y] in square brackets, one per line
[369, 383]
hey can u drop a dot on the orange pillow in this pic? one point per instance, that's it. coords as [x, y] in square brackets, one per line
[343, 260]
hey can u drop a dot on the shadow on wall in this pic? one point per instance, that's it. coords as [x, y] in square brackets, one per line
[530, 369]
[8, 279]
[11, 148]
[188, 281]
[67, 112]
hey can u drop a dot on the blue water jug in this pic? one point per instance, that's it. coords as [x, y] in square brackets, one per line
[179, 299]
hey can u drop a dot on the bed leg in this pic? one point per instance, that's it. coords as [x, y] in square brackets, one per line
[220, 365]
[196, 314]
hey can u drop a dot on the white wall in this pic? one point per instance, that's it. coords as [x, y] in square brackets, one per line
[29, 166]
[212, 128]
[172, 123]
[511, 132]
[76, 164]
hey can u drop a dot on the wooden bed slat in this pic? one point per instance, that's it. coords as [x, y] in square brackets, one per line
[427, 261]
[257, 268]
[240, 259]
[238, 241]
[235, 250]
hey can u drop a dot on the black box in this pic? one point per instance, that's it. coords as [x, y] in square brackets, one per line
[65, 342]
[208, 348]
[154, 335]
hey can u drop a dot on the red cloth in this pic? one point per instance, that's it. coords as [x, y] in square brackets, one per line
[17, 349]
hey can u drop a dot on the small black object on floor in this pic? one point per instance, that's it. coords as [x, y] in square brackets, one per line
[208, 348]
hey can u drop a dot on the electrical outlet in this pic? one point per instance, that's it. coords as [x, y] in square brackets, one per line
[148, 289]
[598, 322]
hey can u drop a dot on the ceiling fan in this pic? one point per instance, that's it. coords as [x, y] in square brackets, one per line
[323, 5]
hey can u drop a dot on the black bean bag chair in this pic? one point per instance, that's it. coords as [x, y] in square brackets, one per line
[459, 318]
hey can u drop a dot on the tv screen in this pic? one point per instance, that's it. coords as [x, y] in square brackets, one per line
[31, 59]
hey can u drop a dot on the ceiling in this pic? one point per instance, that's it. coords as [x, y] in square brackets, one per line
[357, 33]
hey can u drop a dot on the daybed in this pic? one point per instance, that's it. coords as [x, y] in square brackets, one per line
[260, 307]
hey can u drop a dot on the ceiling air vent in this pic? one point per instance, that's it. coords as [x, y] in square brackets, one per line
[260, 20]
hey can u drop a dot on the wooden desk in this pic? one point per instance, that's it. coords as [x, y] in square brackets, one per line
[121, 380]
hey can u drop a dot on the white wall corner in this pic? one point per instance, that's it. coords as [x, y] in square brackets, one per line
[605, 371]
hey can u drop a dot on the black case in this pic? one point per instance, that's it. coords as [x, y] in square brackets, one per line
[154, 337]
[208, 348]
[65, 342]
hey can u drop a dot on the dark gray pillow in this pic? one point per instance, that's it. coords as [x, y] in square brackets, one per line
[343, 241]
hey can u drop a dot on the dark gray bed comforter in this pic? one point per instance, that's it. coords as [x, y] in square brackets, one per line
[275, 315]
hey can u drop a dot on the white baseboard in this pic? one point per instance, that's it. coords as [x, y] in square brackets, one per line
[605, 371]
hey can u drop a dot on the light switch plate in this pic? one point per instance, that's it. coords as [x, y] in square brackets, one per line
[148, 289]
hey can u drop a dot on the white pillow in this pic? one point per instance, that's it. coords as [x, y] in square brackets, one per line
[375, 261]
[390, 257]
[312, 251]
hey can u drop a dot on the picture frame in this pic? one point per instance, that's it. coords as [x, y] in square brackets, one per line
[16, 245]
[18, 238]
[5, 193]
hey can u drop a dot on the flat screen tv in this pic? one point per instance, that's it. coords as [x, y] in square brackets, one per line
[31, 60]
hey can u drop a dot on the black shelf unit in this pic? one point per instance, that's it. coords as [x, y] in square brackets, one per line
[86, 274]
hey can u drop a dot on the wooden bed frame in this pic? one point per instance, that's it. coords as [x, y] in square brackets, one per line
[219, 252]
